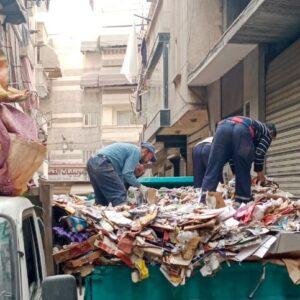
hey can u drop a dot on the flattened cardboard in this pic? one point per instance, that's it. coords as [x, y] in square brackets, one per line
[286, 242]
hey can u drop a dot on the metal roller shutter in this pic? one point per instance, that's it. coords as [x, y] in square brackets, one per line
[283, 109]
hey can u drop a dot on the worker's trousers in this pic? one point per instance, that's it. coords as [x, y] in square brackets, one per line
[231, 141]
[200, 161]
[108, 186]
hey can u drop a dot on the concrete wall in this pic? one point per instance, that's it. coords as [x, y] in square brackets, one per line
[92, 61]
[161, 21]
[108, 63]
[253, 88]
[213, 98]
[205, 28]
[194, 28]
[66, 105]
[254, 82]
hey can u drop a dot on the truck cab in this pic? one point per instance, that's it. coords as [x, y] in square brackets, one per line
[22, 263]
[22, 259]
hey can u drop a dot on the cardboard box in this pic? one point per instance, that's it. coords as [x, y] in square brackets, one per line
[152, 196]
[83, 260]
[75, 250]
[286, 242]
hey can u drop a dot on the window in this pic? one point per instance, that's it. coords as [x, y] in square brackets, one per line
[32, 256]
[7, 289]
[125, 118]
[90, 119]
[156, 87]
[42, 230]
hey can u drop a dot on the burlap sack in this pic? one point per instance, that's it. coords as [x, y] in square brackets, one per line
[24, 158]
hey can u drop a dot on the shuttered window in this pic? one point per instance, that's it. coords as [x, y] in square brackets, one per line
[283, 109]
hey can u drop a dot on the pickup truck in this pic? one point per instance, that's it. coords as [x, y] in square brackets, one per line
[22, 259]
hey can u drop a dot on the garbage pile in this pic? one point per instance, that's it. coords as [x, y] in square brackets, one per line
[176, 231]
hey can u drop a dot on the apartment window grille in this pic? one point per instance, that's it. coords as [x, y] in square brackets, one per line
[125, 118]
[90, 120]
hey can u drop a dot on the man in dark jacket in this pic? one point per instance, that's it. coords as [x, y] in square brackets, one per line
[244, 141]
[200, 156]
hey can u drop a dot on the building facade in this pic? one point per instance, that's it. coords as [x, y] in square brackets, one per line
[24, 41]
[174, 115]
[211, 59]
[89, 107]
[21, 42]
[118, 117]
[253, 70]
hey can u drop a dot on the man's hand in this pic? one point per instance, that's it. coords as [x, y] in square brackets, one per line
[139, 170]
[261, 177]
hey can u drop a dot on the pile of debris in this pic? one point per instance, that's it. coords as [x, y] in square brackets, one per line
[176, 231]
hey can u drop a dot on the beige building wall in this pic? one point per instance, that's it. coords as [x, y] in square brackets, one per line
[118, 117]
[89, 107]
[194, 27]
[74, 117]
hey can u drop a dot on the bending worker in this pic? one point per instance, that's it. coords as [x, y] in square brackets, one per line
[200, 157]
[113, 167]
[243, 140]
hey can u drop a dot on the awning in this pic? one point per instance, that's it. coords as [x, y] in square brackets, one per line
[92, 80]
[89, 46]
[14, 11]
[262, 21]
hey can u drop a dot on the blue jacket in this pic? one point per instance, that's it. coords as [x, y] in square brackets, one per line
[124, 158]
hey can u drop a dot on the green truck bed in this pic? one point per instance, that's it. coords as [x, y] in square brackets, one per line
[168, 182]
[234, 282]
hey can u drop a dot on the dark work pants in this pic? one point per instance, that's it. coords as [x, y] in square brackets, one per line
[231, 141]
[200, 160]
[107, 184]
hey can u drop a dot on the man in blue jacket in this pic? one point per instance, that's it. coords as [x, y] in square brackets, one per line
[113, 167]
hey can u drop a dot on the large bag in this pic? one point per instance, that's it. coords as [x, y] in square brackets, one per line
[24, 158]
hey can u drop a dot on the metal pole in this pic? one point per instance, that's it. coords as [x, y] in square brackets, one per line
[46, 196]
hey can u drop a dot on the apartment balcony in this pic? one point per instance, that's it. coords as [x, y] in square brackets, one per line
[42, 85]
[116, 99]
[89, 46]
[159, 121]
[49, 59]
[263, 21]
[114, 80]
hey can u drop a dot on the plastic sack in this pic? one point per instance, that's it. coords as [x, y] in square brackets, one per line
[24, 158]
